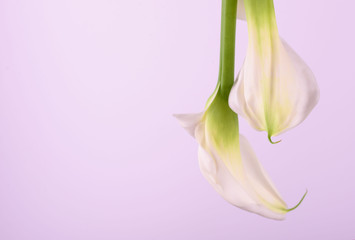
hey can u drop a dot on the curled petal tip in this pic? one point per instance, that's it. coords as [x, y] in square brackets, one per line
[269, 137]
[299, 203]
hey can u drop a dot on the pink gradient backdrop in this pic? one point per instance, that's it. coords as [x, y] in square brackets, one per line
[88, 145]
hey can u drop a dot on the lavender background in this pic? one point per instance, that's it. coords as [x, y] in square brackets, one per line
[88, 145]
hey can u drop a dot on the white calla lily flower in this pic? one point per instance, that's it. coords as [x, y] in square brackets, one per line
[228, 162]
[275, 89]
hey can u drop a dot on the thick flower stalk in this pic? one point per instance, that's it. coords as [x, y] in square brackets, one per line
[226, 159]
[275, 90]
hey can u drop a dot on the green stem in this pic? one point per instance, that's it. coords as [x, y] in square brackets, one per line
[227, 51]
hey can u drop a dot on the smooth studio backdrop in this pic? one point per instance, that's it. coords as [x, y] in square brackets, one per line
[88, 145]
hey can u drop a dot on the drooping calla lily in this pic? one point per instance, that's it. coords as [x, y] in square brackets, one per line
[275, 90]
[228, 162]
[226, 159]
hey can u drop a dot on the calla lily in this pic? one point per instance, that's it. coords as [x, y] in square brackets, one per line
[228, 162]
[226, 159]
[275, 90]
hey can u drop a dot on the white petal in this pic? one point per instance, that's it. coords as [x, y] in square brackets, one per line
[218, 175]
[189, 121]
[305, 91]
[251, 193]
[248, 106]
[257, 176]
[282, 87]
[208, 166]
